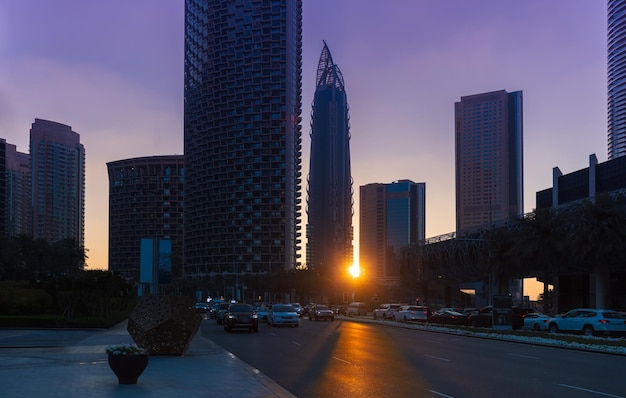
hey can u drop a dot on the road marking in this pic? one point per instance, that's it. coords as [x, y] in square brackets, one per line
[434, 341]
[295, 342]
[439, 358]
[591, 391]
[441, 394]
[342, 360]
[521, 356]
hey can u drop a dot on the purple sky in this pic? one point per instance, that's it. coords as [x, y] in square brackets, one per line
[113, 70]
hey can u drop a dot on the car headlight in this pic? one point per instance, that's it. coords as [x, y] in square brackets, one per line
[255, 316]
[232, 316]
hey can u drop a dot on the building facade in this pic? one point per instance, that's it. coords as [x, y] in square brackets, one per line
[616, 77]
[329, 194]
[3, 189]
[58, 182]
[600, 288]
[243, 144]
[18, 192]
[145, 202]
[391, 217]
[488, 159]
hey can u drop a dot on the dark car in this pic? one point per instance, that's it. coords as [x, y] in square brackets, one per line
[482, 317]
[201, 307]
[241, 316]
[448, 317]
[220, 313]
[319, 311]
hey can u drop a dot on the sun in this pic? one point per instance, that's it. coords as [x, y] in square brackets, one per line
[355, 271]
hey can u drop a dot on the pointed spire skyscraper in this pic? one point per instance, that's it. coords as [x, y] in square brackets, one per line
[329, 193]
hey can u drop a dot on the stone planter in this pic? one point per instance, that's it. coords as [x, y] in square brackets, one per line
[128, 368]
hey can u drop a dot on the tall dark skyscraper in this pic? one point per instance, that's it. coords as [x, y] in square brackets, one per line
[616, 77]
[489, 158]
[58, 182]
[145, 201]
[243, 139]
[329, 193]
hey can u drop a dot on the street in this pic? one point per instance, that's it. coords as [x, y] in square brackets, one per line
[352, 359]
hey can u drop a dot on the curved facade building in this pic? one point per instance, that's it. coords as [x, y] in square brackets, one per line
[616, 78]
[329, 193]
[145, 201]
[243, 139]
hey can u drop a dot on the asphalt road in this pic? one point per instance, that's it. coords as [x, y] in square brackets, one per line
[352, 359]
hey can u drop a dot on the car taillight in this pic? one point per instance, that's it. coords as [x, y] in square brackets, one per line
[603, 321]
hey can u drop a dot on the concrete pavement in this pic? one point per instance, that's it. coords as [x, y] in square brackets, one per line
[82, 370]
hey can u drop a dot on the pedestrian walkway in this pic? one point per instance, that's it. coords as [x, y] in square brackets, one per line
[82, 370]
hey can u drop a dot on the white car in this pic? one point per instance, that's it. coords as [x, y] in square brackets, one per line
[283, 314]
[536, 321]
[411, 313]
[589, 322]
[386, 311]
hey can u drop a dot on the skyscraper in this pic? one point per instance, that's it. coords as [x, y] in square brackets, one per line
[18, 188]
[242, 116]
[392, 217]
[616, 77]
[3, 189]
[329, 193]
[145, 201]
[58, 182]
[489, 158]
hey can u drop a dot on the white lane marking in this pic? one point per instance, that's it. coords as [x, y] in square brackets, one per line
[521, 356]
[296, 343]
[591, 391]
[441, 394]
[342, 360]
[439, 358]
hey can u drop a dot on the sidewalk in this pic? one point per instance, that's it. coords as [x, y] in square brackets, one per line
[206, 370]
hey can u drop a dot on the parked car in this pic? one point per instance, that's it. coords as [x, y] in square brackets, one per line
[536, 321]
[589, 322]
[241, 316]
[202, 307]
[412, 313]
[283, 314]
[481, 318]
[448, 317]
[220, 313]
[319, 311]
[393, 308]
[385, 311]
[356, 309]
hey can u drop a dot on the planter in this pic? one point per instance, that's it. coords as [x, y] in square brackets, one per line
[127, 368]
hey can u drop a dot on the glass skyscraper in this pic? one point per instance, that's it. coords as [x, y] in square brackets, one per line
[58, 182]
[616, 77]
[489, 159]
[243, 144]
[329, 193]
[391, 217]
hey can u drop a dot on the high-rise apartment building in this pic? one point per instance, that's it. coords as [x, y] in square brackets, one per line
[3, 189]
[243, 144]
[616, 77]
[18, 192]
[329, 193]
[489, 159]
[145, 202]
[391, 217]
[58, 182]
